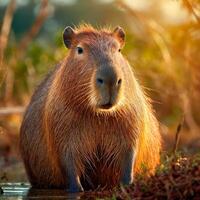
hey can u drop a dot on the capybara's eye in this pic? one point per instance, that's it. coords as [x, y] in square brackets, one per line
[119, 50]
[79, 50]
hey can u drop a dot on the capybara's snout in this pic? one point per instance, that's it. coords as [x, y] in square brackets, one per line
[108, 84]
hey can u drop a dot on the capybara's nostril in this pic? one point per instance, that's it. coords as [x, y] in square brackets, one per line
[100, 81]
[119, 81]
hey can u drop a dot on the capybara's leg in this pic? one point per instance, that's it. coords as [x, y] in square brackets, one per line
[73, 178]
[127, 168]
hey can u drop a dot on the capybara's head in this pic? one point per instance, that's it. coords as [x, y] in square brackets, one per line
[95, 66]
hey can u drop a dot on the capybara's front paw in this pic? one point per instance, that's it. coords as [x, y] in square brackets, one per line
[75, 188]
[126, 181]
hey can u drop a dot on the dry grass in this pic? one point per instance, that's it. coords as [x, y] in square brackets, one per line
[177, 178]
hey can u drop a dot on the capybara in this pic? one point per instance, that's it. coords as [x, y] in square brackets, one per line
[89, 124]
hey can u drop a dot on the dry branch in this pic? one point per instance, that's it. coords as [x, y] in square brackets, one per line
[27, 39]
[191, 10]
[22, 47]
[12, 110]
[5, 30]
[177, 136]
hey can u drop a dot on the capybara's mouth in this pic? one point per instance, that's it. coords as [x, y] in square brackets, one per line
[106, 106]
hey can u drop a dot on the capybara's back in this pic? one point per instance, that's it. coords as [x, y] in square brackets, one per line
[89, 124]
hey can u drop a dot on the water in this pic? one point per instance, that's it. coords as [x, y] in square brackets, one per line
[18, 191]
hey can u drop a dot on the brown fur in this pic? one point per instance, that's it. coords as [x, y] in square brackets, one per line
[63, 123]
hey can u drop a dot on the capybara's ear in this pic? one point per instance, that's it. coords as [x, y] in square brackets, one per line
[120, 35]
[68, 36]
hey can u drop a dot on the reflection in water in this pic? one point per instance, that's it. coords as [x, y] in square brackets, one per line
[24, 191]
[53, 194]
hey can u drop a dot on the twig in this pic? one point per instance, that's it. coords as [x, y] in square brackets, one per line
[22, 47]
[191, 9]
[177, 137]
[41, 17]
[12, 110]
[5, 30]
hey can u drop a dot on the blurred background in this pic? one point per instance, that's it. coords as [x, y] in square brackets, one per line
[162, 45]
